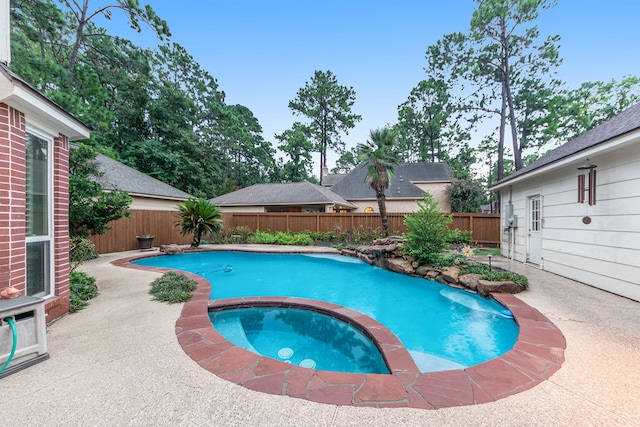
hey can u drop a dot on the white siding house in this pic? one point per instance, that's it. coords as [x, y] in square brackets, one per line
[545, 224]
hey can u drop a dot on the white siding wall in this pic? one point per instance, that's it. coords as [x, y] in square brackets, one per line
[152, 204]
[604, 253]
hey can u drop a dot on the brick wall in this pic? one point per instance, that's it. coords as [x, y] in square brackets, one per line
[12, 198]
[59, 304]
[13, 211]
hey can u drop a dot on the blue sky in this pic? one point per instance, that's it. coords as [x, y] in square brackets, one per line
[263, 51]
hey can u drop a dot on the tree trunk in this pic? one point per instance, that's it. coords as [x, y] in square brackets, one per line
[82, 20]
[382, 207]
[501, 136]
[506, 92]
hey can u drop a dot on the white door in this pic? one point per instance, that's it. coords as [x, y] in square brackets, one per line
[534, 229]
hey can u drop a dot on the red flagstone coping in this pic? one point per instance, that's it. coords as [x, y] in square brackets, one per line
[537, 354]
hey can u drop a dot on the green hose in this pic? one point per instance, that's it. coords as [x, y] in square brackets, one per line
[14, 336]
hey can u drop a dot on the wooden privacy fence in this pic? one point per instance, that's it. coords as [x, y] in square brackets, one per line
[122, 236]
[485, 228]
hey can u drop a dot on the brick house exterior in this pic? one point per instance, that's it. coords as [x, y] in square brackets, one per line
[27, 116]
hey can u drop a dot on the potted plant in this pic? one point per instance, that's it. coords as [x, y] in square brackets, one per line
[145, 241]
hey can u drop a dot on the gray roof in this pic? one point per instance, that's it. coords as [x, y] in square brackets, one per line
[118, 176]
[354, 186]
[294, 193]
[332, 178]
[625, 122]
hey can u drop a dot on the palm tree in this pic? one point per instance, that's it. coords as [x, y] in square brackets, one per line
[380, 155]
[198, 216]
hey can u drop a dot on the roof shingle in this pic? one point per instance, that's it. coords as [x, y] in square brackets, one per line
[118, 176]
[294, 193]
[354, 186]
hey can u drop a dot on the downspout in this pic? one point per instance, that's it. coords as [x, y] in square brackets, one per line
[512, 234]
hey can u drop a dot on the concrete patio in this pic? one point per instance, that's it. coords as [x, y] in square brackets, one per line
[118, 362]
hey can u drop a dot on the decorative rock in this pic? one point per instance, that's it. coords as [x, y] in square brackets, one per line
[171, 249]
[366, 258]
[399, 265]
[423, 270]
[451, 274]
[485, 287]
[349, 252]
[469, 280]
[432, 274]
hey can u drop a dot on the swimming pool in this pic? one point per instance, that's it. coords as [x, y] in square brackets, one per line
[301, 337]
[442, 328]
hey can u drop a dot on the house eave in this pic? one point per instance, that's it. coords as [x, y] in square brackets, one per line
[36, 107]
[154, 196]
[604, 147]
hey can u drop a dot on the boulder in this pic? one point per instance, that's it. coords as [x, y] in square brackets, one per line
[469, 280]
[399, 265]
[433, 274]
[423, 270]
[451, 274]
[349, 252]
[366, 258]
[485, 287]
[171, 249]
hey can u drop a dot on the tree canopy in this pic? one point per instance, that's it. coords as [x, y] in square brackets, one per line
[157, 110]
[328, 106]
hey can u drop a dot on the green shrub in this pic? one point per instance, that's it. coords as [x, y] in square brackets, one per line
[173, 288]
[363, 236]
[82, 288]
[477, 269]
[445, 259]
[283, 238]
[242, 234]
[506, 276]
[81, 249]
[264, 238]
[487, 273]
[428, 231]
[297, 239]
[317, 236]
[457, 236]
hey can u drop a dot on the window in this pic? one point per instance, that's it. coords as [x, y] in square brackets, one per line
[39, 215]
[368, 209]
[534, 213]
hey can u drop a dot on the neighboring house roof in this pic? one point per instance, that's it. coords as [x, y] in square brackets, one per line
[625, 122]
[14, 91]
[281, 194]
[354, 186]
[332, 178]
[118, 176]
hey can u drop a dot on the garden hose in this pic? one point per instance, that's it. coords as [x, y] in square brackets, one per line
[14, 336]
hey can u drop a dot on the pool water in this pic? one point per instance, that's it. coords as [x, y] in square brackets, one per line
[300, 337]
[442, 328]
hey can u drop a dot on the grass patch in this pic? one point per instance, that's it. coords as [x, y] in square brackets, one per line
[485, 252]
[173, 288]
[82, 288]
